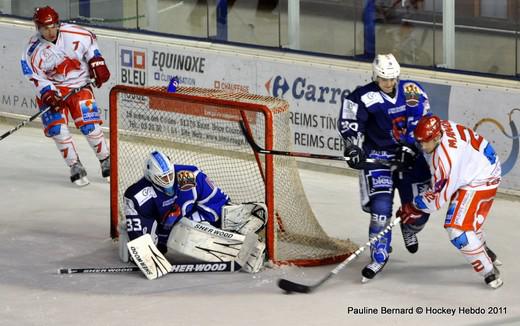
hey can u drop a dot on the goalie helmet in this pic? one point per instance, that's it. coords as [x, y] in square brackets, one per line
[385, 66]
[428, 128]
[160, 172]
[44, 16]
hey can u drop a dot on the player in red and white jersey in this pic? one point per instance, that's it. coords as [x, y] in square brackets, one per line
[465, 172]
[58, 58]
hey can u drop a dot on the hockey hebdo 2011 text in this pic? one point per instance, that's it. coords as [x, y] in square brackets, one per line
[426, 310]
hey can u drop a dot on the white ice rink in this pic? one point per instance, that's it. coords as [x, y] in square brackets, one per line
[46, 223]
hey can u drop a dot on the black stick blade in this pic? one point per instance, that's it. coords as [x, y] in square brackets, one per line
[289, 286]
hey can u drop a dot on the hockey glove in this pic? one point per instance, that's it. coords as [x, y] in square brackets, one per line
[52, 98]
[355, 157]
[408, 213]
[98, 70]
[405, 157]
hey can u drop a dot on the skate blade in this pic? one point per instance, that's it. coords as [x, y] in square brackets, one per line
[496, 283]
[365, 280]
[497, 262]
[81, 182]
[107, 179]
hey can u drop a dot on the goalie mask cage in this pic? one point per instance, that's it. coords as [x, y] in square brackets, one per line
[197, 126]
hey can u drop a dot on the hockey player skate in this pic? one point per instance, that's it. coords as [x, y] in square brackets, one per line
[493, 280]
[379, 259]
[410, 238]
[370, 270]
[78, 174]
[492, 256]
[105, 168]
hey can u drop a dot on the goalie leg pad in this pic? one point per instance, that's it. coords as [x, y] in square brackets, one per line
[244, 218]
[193, 241]
[256, 259]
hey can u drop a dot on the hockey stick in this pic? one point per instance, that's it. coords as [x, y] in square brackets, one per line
[40, 112]
[261, 150]
[289, 286]
[98, 270]
[227, 266]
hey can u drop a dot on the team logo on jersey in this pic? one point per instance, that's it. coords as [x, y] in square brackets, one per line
[66, 66]
[412, 93]
[186, 180]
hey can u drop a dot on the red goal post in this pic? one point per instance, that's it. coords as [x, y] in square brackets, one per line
[198, 126]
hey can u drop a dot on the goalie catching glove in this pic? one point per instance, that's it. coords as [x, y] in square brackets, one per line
[244, 218]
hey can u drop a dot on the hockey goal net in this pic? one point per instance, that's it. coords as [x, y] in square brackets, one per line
[200, 127]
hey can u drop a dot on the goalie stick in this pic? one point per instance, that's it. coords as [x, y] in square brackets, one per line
[289, 286]
[40, 112]
[228, 266]
[257, 149]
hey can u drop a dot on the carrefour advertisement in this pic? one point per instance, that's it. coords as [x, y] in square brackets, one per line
[313, 91]
[315, 97]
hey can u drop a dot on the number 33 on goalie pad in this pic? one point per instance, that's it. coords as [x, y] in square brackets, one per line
[190, 240]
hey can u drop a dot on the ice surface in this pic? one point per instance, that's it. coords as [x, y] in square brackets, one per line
[47, 223]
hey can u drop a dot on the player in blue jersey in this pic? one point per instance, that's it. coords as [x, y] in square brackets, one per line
[377, 121]
[169, 193]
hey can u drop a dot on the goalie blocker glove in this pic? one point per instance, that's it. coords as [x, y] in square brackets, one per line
[98, 70]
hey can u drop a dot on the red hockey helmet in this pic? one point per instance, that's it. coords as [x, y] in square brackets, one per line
[44, 16]
[427, 128]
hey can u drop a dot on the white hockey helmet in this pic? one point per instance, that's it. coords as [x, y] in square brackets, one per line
[160, 171]
[385, 66]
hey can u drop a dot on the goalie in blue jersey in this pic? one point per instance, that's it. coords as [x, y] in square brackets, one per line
[377, 121]
[191, 218]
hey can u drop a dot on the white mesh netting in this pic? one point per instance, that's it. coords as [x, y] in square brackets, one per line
[201, 127]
